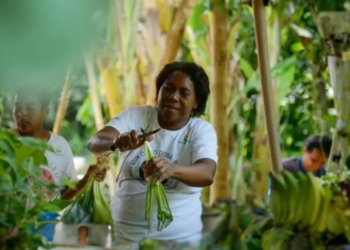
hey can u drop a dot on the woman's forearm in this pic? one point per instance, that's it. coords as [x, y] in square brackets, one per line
[99, 145]
[70, 194]
[200, 174]
[101, 142]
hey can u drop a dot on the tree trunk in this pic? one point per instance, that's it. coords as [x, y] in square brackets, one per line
[149, 47]
[63, 104]
[220, 188]
[322, 104]
[339, 70]
[173, 43]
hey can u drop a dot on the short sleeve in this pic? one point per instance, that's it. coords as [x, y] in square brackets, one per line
[205, 143]
[124, 121]
[70, 171]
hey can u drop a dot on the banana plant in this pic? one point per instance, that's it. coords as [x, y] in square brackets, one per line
[150, 44]
[283, 73]
[182, 11]
[127, 14]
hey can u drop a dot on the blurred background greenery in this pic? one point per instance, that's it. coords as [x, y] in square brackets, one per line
[109, 52]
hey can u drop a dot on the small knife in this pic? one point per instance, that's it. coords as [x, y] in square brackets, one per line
[145, 135]
[142, 137]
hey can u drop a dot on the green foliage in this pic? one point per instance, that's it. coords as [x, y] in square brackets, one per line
[240, 228]
[302, 79]
[21, 205]
[301, 111]
[332, 180]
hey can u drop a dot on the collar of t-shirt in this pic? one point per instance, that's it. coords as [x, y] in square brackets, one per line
[302, 169]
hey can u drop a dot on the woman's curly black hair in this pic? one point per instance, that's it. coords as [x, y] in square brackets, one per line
[196, 74]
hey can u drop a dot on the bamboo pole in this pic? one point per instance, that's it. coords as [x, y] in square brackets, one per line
[266, 84]
[261, 152]
[63, 104]
[219, 84]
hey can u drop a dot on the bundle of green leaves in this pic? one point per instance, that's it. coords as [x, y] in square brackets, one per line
[22, 205]
[164, 215]
[91, 206]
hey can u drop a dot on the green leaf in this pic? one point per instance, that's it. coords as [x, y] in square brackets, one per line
[330, 5]
[284, 74]
[246, 67]
[296, 47]
[195, 19]
[148, 152]
[330, 119]
[7, 142]
[61, 204]
[69, 183]
[34, 143]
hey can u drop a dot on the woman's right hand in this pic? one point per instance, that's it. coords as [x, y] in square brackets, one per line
[130, 141]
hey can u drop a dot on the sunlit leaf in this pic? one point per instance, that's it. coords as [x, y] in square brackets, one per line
[195, 19]
[246, 67]
[69, 183]
[296, 47]
[284, 73]
[301, 31]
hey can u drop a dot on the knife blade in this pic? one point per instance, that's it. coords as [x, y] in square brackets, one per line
[145, 135]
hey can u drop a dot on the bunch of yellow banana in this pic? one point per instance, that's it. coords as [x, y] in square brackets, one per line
[300, 200]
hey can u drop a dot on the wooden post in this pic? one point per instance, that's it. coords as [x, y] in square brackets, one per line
[266, 84]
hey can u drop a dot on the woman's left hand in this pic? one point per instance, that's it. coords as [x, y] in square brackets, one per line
[157, 168]
[97, 175]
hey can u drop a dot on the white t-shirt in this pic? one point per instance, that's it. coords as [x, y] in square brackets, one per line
[196, 140]
[60, 162]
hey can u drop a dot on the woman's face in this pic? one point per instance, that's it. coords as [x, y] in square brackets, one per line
[177, 98]
[28, 114]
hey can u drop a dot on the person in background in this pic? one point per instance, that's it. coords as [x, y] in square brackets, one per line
[185, 159]
[29, 112]
[316, 151]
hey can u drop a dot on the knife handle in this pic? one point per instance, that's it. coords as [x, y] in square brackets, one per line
[113, 147]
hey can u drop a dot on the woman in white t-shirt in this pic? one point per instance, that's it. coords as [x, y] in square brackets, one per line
[29, 113]
[185, 159]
